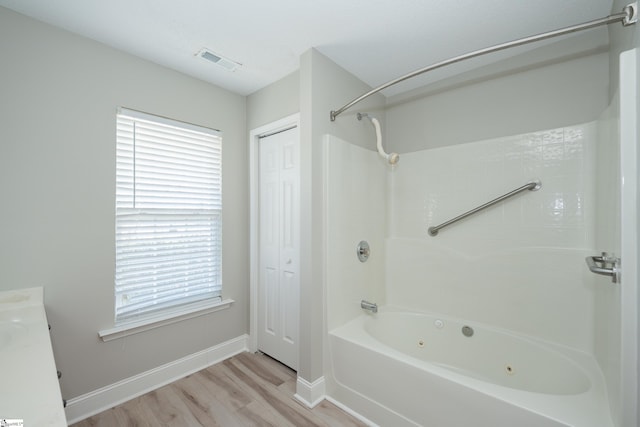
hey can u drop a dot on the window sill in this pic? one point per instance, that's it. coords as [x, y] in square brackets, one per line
[138, 326]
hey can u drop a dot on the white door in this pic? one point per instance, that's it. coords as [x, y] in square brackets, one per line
[279, 270]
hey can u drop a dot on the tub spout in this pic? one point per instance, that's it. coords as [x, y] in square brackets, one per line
[371, 306]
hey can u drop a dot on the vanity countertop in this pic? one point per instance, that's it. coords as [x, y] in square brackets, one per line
[29, 388]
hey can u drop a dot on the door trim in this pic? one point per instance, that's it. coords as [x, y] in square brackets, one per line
[629, 374]
[254, 215]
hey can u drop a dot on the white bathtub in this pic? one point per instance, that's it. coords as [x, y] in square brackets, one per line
[403, 368]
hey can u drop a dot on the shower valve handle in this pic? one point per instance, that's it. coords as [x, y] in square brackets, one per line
[363, 251]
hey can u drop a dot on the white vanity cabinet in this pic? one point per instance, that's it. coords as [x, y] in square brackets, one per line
[29, 388]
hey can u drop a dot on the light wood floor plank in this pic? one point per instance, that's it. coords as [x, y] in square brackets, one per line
[255, 414]
[269, 400]
[289, 408]
[207, 411]
[245, 390]
[168, 409]
[135, 413]
[222, 388]
[288, 387]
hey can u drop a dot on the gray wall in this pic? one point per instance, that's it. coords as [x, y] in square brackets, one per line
[58, 98]
[324, 86]
[271, 103]
[544, 89]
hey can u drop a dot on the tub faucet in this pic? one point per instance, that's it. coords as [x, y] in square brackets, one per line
[371, 306]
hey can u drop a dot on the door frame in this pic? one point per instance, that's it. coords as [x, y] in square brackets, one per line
[629, 292]
[254, 215]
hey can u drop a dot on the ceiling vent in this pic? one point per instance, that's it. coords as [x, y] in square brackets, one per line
[225, 63]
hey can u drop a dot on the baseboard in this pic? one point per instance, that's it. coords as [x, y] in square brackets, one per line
[94, 402]
[310, 394]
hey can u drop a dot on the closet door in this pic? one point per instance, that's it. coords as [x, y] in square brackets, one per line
[279, 281]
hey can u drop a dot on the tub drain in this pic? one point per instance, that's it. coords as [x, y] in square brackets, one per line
[421, 343]
[509, 370]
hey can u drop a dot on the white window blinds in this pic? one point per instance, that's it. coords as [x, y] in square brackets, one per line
[168, 214]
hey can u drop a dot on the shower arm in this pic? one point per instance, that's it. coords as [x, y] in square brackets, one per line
[628, 16]
[392, 158]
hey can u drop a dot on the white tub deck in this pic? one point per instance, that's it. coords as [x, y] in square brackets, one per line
[402, 386]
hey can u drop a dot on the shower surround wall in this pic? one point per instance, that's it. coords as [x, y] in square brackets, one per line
[518, 265]
[355, 195]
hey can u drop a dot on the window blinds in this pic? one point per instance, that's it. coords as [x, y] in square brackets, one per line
[168, 214]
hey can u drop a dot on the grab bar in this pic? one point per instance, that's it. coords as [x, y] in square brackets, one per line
[534, 185]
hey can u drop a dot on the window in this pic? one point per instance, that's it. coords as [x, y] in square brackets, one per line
[168, 215]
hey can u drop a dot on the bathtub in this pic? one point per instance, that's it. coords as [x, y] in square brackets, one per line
[399, 368]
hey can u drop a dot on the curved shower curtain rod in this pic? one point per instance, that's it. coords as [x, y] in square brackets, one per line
[628, 16]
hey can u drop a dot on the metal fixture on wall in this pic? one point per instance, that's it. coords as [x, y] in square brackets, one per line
[391, 158]
[369, 306]
[363, 251]
[534, 185]
[606, 265]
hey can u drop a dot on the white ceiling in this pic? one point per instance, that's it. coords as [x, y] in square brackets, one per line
[376, 40]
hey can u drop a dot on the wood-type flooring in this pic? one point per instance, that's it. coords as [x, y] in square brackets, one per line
[245, 390]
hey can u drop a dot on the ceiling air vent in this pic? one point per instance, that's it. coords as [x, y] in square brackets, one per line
[225, 63]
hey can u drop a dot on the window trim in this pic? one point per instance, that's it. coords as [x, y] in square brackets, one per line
[167, 317]
[135, 114]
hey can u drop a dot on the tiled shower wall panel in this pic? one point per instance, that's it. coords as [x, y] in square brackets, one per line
[518, 265]
[355, 199]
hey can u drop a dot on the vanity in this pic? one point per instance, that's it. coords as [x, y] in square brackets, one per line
[29, 388]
